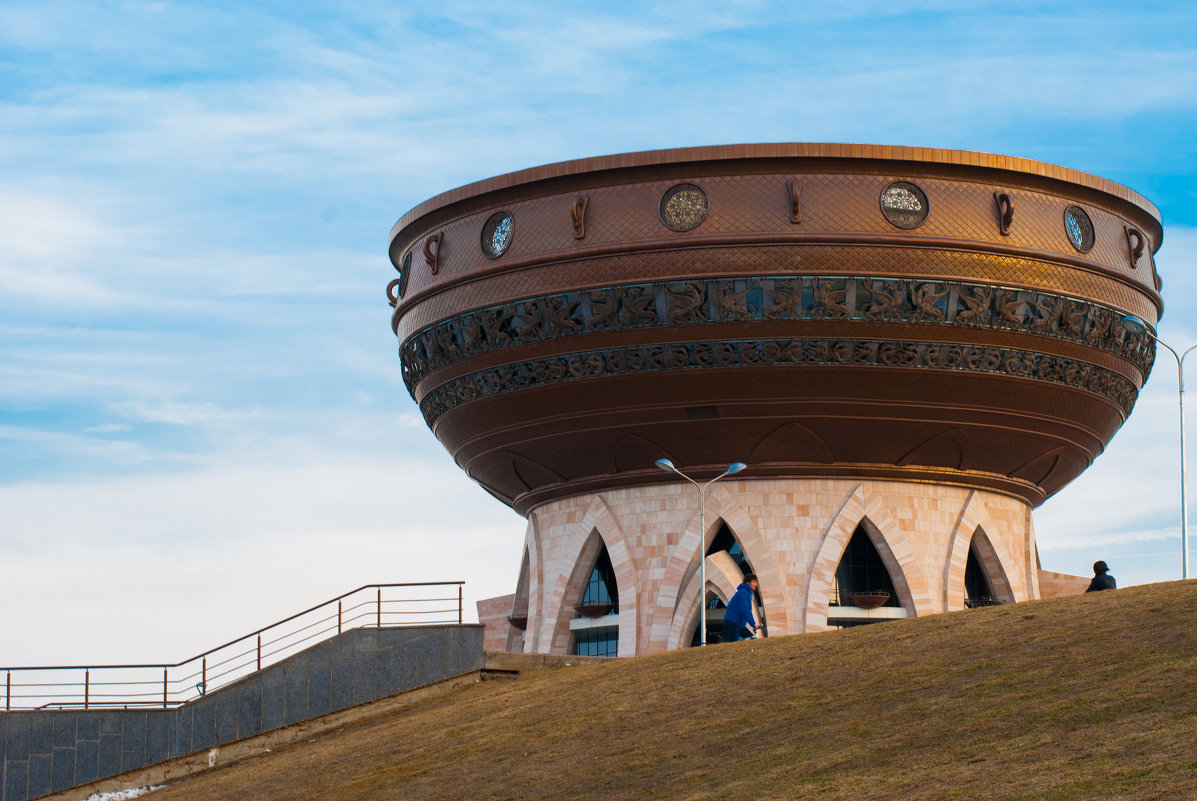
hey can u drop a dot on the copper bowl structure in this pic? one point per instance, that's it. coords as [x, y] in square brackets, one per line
[821, 310]
[869, 600]
[594, 610]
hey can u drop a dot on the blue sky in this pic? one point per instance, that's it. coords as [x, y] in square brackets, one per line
[202, 423]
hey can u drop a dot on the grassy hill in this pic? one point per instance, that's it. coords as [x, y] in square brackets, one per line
[1089, 697]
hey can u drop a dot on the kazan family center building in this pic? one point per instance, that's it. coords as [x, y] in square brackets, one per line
[909, 348]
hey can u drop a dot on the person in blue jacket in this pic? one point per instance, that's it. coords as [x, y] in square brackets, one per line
[738, 622]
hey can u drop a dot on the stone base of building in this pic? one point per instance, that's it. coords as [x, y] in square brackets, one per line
[793, 533]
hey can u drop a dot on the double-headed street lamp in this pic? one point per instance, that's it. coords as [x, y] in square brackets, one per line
[668, 467]
[1137, 326]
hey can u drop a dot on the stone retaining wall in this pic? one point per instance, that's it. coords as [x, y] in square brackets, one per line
[46, 751]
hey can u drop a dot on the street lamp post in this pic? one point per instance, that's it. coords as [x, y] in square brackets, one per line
[668, 467]
[1137, 326]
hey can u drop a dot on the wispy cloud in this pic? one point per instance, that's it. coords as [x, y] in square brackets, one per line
[155, 550]
[197, 377]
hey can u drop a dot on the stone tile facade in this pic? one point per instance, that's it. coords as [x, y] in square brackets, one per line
[793, 531]
[493, 613]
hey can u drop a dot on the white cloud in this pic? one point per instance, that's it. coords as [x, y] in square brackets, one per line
[1095, 542]
[157, 567]
[185, 414]
[192, 254]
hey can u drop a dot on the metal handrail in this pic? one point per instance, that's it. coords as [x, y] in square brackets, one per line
[131, 686]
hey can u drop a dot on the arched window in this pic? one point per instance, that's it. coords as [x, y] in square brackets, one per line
[724, 540]
[978, 589]
[601, 589]
[595, 629]
[863, 590]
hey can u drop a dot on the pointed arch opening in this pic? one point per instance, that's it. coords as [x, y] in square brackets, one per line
[726, 541]
[518, 620]
[723, 576]
[862, 590]
[977, 589]
[985, 580]
[595, 625]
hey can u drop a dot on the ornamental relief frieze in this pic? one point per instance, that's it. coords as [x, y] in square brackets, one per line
[756, 298]
[792, 352]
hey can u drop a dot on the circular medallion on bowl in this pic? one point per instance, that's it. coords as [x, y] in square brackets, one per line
[1079, 228]
[683, 207]
[497, 234]
[904, 204]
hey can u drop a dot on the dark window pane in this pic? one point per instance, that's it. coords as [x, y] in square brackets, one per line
[602, 641]
[726, 541]
[976, 583]
[601, 588]
[861, 570]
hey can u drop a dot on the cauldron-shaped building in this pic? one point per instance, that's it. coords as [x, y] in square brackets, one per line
[911, 348]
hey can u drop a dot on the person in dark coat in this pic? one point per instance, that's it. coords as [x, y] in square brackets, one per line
[1102, 580]
[738, 622]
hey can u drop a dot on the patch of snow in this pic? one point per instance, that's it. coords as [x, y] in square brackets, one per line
[121, 795]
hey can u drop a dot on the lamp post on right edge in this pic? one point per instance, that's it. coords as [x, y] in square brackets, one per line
[1137, 326]
[668, 467]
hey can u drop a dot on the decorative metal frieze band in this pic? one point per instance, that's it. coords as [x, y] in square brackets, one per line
[778, 353]
[757, 298]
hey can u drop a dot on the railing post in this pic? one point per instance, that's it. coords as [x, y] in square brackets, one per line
[259, 651]
[86, 687]
[8, 692]
[204, 677]
[460, 608]
[164, 687]
[338, 617]
[380, 607]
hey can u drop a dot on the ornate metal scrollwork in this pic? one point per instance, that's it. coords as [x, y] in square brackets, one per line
[888, 299]
[578, 216]
[752, 298]
[685, 302]
[794, 195]
[724, 354]
[1008, 305]
[830, 301]
[732, 303]
[1134, 244]
[636, 302]
[432, 250]
[1005, 209]
[926, 300]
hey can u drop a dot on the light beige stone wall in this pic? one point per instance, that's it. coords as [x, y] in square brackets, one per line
[1057, 585]
[492, 613]
[793, 531]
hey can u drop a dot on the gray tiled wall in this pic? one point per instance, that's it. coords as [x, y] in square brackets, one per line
[45, 751]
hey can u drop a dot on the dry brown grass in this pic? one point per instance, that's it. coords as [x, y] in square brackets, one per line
[1090, 697]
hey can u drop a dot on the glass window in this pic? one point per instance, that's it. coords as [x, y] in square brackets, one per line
[726, 541]
[861, 571]
[601, 589]
[602, 641]
[978, 591]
